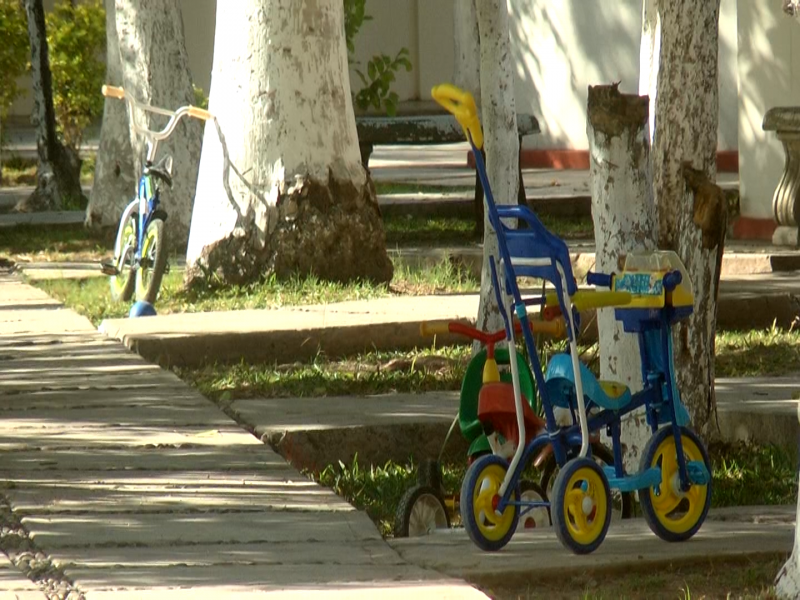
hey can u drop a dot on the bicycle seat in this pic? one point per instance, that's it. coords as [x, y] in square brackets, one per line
[159, 171]
[560, 380]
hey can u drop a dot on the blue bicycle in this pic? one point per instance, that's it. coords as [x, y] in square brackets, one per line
[140, 249]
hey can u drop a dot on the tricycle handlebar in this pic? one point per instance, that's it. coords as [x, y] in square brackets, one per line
[462, 106]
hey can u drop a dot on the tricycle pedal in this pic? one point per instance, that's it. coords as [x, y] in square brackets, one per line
[109, 268]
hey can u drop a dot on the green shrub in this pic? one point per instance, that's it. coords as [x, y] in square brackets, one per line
[76, 36]
[14, 51]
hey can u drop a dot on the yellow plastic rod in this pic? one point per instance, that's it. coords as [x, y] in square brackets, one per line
[199, 113]
[426, 328]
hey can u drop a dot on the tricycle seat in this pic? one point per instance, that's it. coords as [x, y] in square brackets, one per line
[560, 379]
[497, 410]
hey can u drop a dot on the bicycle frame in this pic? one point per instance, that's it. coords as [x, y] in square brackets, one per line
[147, 199]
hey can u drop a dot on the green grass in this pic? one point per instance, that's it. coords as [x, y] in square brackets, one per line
[92, 297]
[55, 243]
[365, 374]
[767, 352]
[749, 474]
[410, 230]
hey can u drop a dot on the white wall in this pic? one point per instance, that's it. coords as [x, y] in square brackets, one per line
[769, 75]
[561, 47]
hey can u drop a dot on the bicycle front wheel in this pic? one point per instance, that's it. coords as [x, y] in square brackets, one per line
[153, 264]
[122, 284]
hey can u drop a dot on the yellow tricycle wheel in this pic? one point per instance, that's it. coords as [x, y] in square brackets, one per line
[480, 494]
[581, 505]
[674, 514]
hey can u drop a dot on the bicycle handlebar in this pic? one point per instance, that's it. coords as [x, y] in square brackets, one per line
[110, 91]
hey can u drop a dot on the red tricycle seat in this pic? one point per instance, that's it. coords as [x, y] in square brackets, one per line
[496, 408]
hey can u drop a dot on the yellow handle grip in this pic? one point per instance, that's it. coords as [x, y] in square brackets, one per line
[113, 92]
[462, 105]
[199, 113]
[587, 299]
[426, 328]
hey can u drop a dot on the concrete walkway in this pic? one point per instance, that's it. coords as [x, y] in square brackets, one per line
[126, 483]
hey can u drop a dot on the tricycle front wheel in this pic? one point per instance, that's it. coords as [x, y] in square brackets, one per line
[488, 528]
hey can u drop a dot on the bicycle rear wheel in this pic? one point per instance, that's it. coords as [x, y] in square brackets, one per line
[154, 262]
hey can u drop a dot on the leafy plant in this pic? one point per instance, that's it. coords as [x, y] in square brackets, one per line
[377, 83]
[354, 17]
[77, 41]
[200, 98]
[381, 69]
[14, 51]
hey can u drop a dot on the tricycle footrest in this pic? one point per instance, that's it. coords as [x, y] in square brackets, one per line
[698, 473]
[630, 483]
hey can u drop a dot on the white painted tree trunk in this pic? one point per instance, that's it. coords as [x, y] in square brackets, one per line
[624, 216]
[114, 174]
[155, 69]
[467, 65]
[281, 93]
[649, 54]
[691, 210]
[499, 118]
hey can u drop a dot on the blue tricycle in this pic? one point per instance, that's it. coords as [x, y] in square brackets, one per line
[651, 293]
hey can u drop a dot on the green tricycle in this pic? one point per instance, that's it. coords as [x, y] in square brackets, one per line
[491, 429]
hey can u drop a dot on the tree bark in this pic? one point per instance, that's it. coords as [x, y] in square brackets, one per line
[282, 190]
[500, 136]
[58, 175]
[467, 65]
[692, 212]
[624, 216]
[114, 174]
[155, 69]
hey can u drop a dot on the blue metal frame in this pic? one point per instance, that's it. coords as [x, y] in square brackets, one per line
[659, 395]
[148, 190]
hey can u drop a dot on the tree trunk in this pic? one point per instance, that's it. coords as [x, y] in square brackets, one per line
[649, 55]
[467, 66]
[691, 210]
[58, 176]
[293, 197]
[155, 69]
[114, 174]
[624, 218]
[500, 136]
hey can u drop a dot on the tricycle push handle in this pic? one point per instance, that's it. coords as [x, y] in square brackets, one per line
[462, 106]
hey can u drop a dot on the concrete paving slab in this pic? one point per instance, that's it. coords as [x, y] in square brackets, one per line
[372, 552]
[37, 271]
[61, 217]
[760, 408]
[216, 459]
[629, 546]
[287, 335]
[43, 493]
[28, 434]
[96, 398]
[263, 577]
[385, 590]
[312, 433]
[156, 529]
[164, 415]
